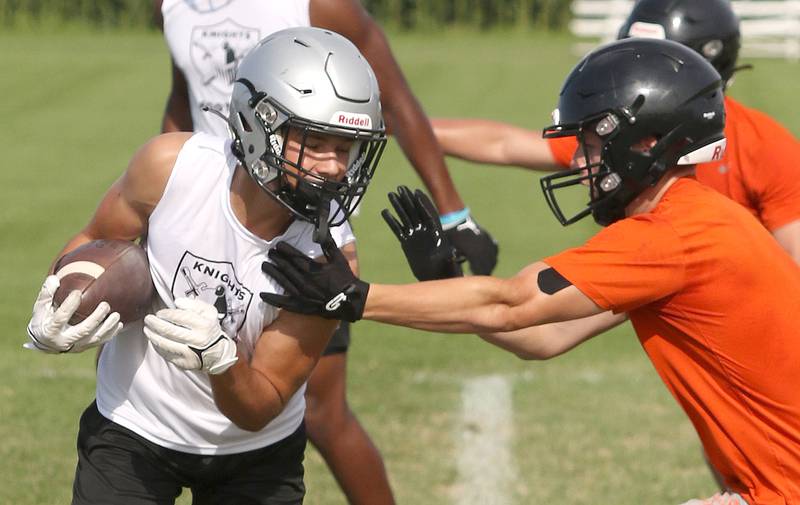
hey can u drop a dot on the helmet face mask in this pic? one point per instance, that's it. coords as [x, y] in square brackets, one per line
[637, 107]
[287, 178]
[594, 172]
[313, 83]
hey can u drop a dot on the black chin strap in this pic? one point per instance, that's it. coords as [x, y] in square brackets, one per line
[321, 225]
[316, 205]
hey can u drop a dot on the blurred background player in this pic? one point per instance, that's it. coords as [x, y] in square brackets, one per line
[191, 397]
[761, 167]
[673, 255]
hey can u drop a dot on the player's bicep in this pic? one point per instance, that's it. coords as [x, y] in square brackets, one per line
[124, 211]
[116, 217]
[289, 349]
[545, 296]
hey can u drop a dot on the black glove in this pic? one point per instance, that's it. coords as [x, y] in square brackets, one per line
[329, 290]
[472, 242]
[428, 252]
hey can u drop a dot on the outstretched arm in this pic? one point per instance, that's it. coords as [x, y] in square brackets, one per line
[486, 141]
[532, 314]
[477, 304]
[549, 340]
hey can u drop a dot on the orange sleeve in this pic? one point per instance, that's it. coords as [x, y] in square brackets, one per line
[631, 263]
[774, 172]
[563, 148]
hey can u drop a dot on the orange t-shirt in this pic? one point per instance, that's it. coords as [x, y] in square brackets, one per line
[760, 169]
[714, 300]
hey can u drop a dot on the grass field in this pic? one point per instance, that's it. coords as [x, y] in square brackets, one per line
[595, 426]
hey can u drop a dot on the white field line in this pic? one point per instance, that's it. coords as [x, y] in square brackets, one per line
[486, 471]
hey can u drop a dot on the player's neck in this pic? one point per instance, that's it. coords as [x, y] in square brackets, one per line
[255, 209]
[649, 198]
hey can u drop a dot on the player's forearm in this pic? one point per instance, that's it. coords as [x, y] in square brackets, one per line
[464, 305]
[485, 141]
[473, 140]
[246, 396]
[549, 340]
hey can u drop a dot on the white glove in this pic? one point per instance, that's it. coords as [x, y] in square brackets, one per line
[50, 332]
[190, 337]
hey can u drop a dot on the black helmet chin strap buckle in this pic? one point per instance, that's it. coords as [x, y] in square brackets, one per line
[321, 225]
[316, 205]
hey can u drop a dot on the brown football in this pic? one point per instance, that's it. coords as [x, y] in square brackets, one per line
[114, 271]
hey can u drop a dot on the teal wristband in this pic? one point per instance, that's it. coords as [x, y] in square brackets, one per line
[454, 217]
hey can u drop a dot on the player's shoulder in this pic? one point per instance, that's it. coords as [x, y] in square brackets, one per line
[151, 165]
[160, 152]
[740, 115]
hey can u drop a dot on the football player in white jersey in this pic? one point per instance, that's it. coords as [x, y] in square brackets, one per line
[206, 40]
[190, 397]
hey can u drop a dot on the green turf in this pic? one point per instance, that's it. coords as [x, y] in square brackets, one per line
[595, 426]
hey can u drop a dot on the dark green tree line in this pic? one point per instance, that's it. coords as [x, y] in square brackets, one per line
[395, 14]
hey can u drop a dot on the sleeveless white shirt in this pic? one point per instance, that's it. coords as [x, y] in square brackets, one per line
[208, 38]
[197, 248]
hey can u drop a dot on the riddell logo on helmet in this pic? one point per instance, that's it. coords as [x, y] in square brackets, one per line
[352, 119]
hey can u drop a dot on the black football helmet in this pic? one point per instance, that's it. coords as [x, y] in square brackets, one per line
[710, 27]
[630, 92]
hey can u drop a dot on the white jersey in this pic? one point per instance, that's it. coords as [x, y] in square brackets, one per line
[198, 248]
[208, 38]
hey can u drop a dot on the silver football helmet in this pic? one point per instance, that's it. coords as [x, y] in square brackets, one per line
[313, 80]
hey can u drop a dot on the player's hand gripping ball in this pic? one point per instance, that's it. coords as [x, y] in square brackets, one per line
[112, 271]
[95, 288]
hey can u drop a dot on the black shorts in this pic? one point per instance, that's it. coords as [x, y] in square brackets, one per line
[117, 466]
[340, 341]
